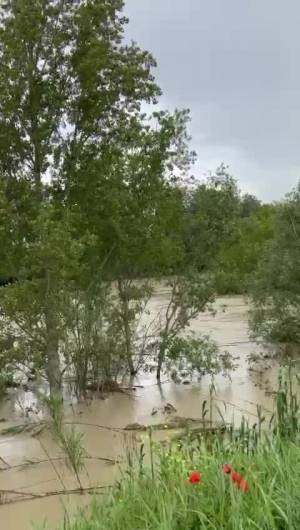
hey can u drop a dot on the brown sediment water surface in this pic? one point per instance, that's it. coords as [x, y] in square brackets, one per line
[35, 465]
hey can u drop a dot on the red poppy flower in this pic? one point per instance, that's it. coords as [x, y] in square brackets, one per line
[195, 477]
[236, 477]
[243, 485]
[227, 469]
[240, 481]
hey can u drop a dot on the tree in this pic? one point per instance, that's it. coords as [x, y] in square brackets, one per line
[168, 340]
[212, 215]
[249, 205]
[190, 295]
[66, 83]
[275, 293]
[146, 231]
[35, 309]
[93, 349]
[226, 233]
[72, 115]
[239, 258]
[73, 135]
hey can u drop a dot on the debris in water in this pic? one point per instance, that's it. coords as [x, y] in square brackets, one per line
[135, 427]
[169, 408]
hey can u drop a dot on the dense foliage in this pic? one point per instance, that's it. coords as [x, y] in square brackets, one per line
[275, 290]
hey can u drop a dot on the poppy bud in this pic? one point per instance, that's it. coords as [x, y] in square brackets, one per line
[227, 468]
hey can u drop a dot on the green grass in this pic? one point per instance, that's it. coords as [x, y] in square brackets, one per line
[169, 502]
[158, 495]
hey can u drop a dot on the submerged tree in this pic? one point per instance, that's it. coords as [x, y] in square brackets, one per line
[168, 341]
[190, 296]
[35, 308]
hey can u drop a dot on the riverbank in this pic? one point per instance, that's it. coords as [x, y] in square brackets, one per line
[232, 479]
[173, 498]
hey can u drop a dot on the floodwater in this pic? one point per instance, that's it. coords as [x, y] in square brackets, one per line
[102, 421]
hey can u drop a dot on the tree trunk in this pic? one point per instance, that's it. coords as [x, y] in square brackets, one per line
[126, 326]
[131, 367]
[53, 362]
[53, 372]
[160, 360]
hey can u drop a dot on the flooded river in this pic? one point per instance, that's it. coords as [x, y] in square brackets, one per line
[102, 422]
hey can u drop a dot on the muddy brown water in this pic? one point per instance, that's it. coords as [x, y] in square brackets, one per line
[102, 422]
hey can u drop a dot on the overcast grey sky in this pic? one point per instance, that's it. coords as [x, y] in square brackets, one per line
[236, 65]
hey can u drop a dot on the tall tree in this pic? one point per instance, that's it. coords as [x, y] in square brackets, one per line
[66, 84]
[275, 292]
[238, 259]
[249, 204]
[72, 132]
[212, 215]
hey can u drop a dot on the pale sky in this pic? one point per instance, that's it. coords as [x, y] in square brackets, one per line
[236, 65]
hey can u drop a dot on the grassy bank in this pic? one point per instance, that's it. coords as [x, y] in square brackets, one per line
[171, 502]
[259, 487]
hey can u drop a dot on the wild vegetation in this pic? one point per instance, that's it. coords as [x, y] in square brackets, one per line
[231, 478]
[275, 288]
